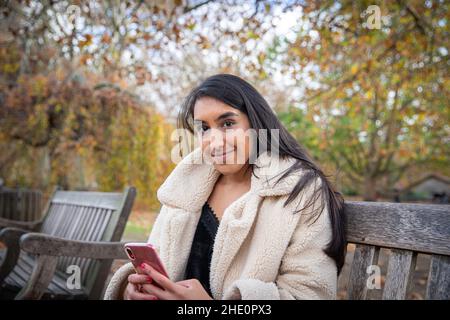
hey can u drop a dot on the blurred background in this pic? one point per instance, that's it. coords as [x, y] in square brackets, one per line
[89, 90]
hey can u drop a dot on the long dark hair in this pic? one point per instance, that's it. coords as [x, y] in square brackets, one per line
[241, 95]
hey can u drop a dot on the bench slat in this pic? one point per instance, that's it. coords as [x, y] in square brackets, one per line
[401, 267]
[21, 274]
[75, 217]
[20, 204]
[416, 227]
[89, 199]
[50, 219]
[96, 215]
[364, 257]
[90, 216]
[438, 287]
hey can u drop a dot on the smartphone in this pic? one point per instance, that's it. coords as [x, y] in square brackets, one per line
[139, 253]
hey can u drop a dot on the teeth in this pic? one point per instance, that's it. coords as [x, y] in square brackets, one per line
[215, 156]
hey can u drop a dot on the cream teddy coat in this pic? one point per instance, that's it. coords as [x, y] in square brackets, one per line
[261, 251]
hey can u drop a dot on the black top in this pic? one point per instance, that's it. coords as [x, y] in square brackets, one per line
[199, 261]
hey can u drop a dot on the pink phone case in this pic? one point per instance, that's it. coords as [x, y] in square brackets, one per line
[139, 253]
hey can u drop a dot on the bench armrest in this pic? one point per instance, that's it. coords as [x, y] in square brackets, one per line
[48, 248]
[28, 225]
[44, 244]
[10, 237]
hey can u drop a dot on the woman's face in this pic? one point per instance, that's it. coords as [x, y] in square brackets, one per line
[223, 134]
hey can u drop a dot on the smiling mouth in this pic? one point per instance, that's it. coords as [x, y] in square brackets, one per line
[221, 155]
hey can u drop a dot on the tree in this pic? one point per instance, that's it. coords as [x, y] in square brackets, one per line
[79, 133]
[71, 74]
[378, 96]
[157, 48]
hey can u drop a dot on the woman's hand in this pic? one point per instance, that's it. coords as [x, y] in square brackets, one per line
[133, 290]
[190, 289]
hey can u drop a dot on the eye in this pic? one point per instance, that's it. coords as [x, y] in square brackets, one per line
[202, 128]
[228, 123]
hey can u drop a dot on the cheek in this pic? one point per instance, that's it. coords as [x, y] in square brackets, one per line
[232, 139]
[237, 138]
[242, 148]
[243, 143]
[204, 142]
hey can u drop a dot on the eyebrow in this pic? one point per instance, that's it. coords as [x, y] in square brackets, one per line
[226, 115]
[222, 116]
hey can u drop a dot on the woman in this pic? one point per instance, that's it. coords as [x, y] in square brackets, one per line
[272, 228]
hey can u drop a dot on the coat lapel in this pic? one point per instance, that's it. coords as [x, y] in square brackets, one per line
[236, 223]
[239, 217]
[189, 185]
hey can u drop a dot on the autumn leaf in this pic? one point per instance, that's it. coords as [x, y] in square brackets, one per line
[86, 42]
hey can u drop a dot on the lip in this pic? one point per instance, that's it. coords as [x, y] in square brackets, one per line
[221, 155]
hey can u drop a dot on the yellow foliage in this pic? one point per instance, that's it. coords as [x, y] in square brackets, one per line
[78, 138]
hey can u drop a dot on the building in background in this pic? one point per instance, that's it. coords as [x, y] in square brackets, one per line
[433, 188]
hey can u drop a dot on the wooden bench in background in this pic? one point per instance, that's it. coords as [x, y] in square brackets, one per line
[20, 204]
[405, 229]
[78, 229]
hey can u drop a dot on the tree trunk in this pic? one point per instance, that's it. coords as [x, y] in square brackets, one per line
[370, 190]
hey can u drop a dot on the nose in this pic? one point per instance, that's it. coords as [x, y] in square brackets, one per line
[216, 141]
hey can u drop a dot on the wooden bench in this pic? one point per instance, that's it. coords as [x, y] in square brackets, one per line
[20, 204]
[79, 229]
[406, 229]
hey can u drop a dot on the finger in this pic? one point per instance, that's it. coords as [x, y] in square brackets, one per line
[136, 295]
[139, 278]
[132, 293]
[156, 291]
[159, 278]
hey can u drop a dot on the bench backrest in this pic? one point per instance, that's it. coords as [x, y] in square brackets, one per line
[406, 229]
[88, 216]
[20, 204]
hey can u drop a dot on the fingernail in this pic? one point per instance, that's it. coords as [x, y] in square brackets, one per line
[143, 265]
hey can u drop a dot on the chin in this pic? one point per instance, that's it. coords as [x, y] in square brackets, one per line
[227, 169]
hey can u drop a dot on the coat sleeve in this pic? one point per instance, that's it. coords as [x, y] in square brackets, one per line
[306, 272]
[118, 282]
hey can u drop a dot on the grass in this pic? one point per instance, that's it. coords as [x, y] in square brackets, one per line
[139, 225]
[136, 232]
